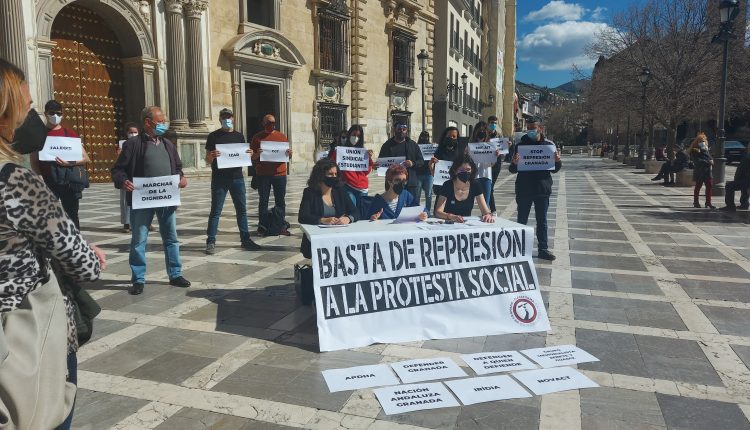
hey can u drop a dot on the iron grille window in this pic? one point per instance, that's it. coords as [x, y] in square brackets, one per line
[403, 60]
[332, 121]
[334, 42]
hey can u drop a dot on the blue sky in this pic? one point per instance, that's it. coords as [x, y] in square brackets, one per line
[552, 35]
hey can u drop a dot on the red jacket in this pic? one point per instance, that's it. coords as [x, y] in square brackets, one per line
[358, 180]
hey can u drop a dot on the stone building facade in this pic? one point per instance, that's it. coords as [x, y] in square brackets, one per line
[318, 65]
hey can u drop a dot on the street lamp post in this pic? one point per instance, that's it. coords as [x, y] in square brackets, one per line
[464, 80]
[643, 78]
[422, 58]
[728, 9]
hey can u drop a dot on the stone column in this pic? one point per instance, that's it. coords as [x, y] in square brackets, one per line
[12, 35]
[194, 48]
[176, 65]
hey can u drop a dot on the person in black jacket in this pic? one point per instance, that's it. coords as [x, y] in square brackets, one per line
[325, 201]
[448, 149]
[535, 187]
[401, 146]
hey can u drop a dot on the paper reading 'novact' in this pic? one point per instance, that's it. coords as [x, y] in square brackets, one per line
[544, 381]
[414, 397]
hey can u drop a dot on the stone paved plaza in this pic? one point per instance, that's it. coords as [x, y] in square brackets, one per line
[655, 289]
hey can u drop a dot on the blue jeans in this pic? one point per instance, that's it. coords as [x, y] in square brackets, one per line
[355, 195]
[486, 184]
[424, 183]
[140, 219]
[541, 204]
[219, 190]
[73, 379]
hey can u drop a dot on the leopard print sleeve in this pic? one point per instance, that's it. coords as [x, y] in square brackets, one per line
[35, 213]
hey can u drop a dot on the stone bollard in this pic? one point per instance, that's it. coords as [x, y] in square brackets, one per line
[684, 178]
[653, 166]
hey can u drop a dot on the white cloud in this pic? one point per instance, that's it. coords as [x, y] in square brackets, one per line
[557, 10]
[598, 13]
[559, 46]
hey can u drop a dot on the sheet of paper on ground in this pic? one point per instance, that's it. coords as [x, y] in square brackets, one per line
[355, 378]
[495, 362]
[274, 151]
[562, 355]
[487, 389]
[543, 381]
[156, 192]
[415, 397]
[233, 155]
[427, 369]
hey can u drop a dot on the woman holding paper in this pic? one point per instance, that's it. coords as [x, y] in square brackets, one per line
[357, 184]
[325, 201]
[396, 197]
[484, 175]
[460, 193]
[448, 148]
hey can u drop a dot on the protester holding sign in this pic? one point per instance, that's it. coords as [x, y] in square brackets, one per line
[401, 146]
[269, 174]
[448, 149]
[151, 155]
[535, 187]
[495, 134]
[356, 183]
[389, 204]
[325, 201]
[56, 174]
[424, 173]
[131, 130]
[223, 181]
[457, 196]
[484, 175]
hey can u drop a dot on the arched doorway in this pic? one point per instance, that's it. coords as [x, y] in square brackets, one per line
[88, 79]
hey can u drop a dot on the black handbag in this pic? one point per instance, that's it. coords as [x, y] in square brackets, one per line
[303, 283]
[86, 309]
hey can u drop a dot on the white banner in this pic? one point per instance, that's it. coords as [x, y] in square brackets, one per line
[233, 155]
[483, 153]
[355, 378]
[385, 162]
[536, 157]
[487, 389]
[502, 143]
[66, 148]
[563, 355]
[494, 362]
[274, 151]
[156, 192]
[442, 172]
[545, 381]
[352, 159]
[427, 369]
[415, 397]
[428, 150]
[415, 284]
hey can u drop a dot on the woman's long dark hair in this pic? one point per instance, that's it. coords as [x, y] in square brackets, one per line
[441, 142]
[424, 137]
[459, 161]
[361, 141]
[319, 171]
[480, 127]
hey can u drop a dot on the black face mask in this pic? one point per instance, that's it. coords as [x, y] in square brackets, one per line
[331, 181]
[398, 187]
[463, 176]
[451, 143]
[30, 136]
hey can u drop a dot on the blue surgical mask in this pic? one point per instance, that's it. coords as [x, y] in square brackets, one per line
[160, 128]
[532, 135]
[227, 123]
[493, 127]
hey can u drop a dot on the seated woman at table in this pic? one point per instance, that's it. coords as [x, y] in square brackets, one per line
[396, 197]
[457, 196]
[325, 201]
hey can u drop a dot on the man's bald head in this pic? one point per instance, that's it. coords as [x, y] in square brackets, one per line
[269, 119]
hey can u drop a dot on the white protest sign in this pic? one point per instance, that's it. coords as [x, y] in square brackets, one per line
[321, 155]
[274, 151]
[385, 162]
[502, 143]
[355, 378]
[442, 172]
[487, 389]
[156, 192]
[233, 155]
[494, 362]
[409, 214]
[544, 381]
[121, 143]
[352, 159]
[563, 355]
[428, 150]
[65, 148]
[483, 153]
[415, 284]
[536, 157]
[415, 397]
[427, 369]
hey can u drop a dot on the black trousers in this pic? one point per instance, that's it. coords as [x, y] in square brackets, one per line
[70, 201]
[265, 183]
[731, 188]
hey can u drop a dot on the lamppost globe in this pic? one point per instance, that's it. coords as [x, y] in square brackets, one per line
[728, 10]
[645, 76]
[422, 58]
[464, 79]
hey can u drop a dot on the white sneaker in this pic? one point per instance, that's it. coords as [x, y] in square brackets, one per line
[494, 214]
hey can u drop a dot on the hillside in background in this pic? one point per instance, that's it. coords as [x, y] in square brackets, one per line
[567, 90]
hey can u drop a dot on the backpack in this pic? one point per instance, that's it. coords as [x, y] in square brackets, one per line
[273, 222]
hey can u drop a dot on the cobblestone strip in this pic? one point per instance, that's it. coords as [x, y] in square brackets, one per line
[148, 417]
[113, 340]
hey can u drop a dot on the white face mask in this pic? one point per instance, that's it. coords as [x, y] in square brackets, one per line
[132, 134]
[353, 140]
[54, 119]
